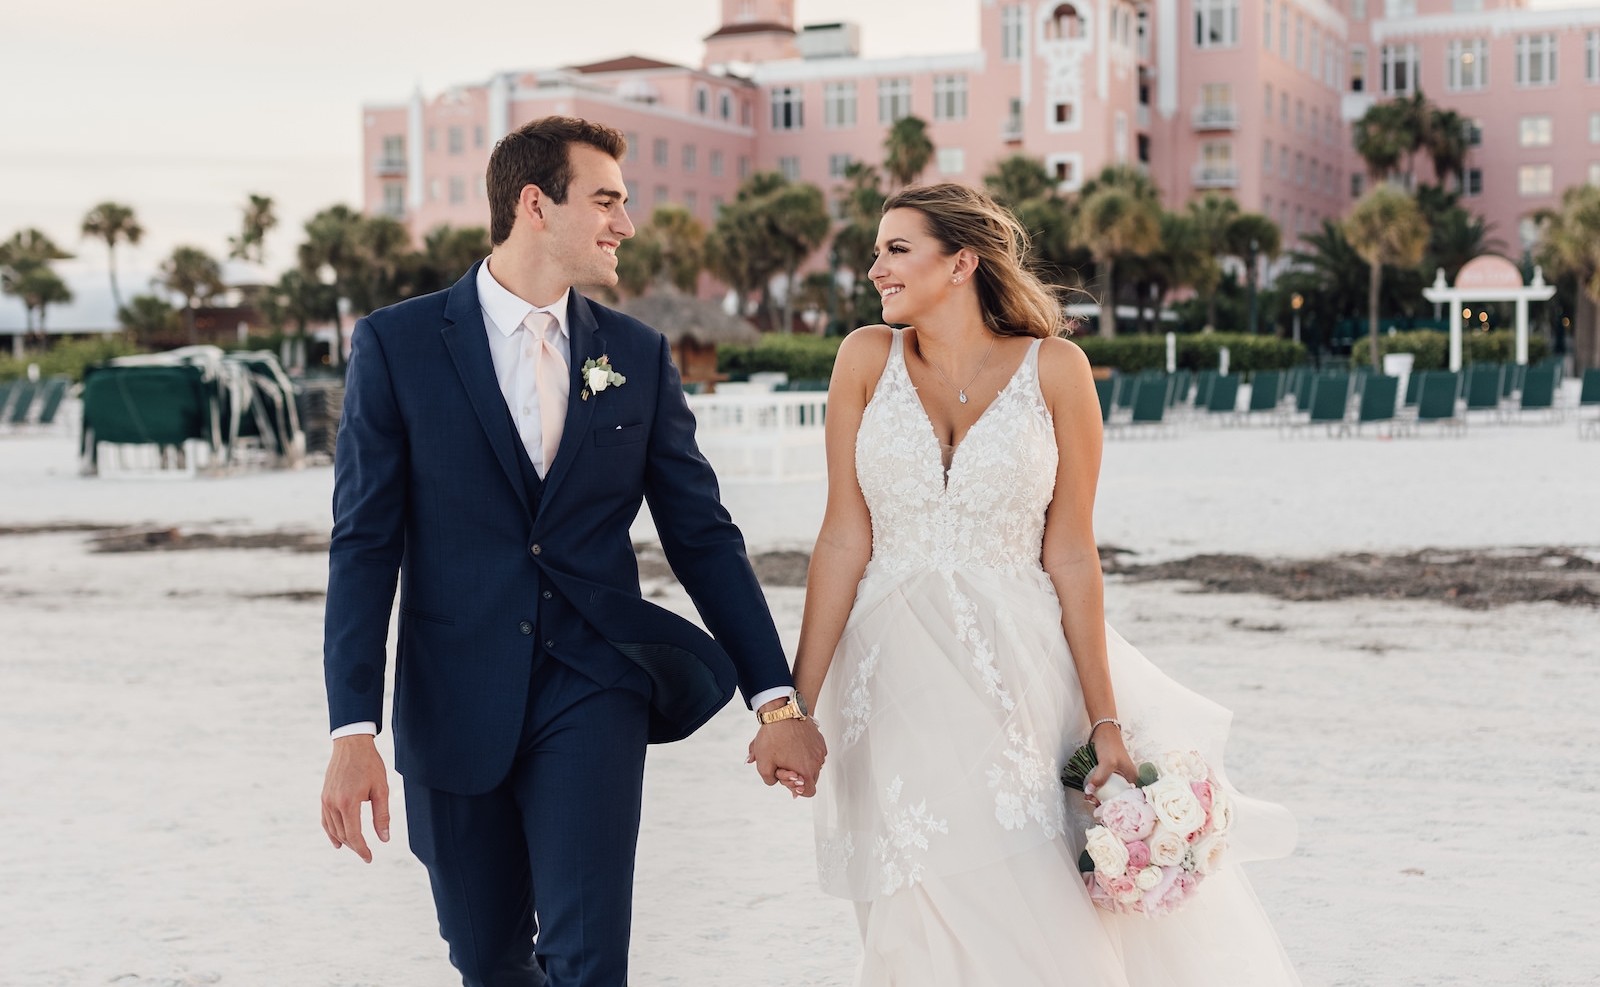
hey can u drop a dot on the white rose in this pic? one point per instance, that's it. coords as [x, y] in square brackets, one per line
[1130, 895]
[1114, 786]
[1208, 853]
[1110, 855]
[1185, 764]
[599, 379]
[1166, 847]
[1221, 811]
[1148, 878]
[1175, 804]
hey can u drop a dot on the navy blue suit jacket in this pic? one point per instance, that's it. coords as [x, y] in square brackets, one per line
[428, 487]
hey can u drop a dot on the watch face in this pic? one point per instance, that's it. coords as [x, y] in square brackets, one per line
[800, 701]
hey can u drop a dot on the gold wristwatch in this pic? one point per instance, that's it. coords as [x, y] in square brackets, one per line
[794, 709]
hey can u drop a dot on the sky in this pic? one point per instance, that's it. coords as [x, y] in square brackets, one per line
[181, 108]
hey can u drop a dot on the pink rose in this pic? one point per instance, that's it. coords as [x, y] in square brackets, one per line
[1128, 816]
[1202, 791]
[1124, 889]
[1138, 855]
[1194, 837]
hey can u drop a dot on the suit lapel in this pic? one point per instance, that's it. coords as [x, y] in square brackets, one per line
[466, 338]
[587, 344]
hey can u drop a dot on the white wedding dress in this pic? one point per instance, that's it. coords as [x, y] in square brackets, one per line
[950, 706]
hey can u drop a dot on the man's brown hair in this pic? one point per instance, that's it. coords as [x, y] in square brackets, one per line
[537, 154]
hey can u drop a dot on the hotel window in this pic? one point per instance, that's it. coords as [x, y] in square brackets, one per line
[1063, 113]
[661, 152]
[1266, 206]
[480, 188]
[1283, 162]
[458, 140]
[1466, 6]
[1474, 132]
[1358, 68]
[1536, 59]
[433, 138]
[433, 190]
[1063, 171]
[725, 106]
[1266, 158]
[1594, 128]
[716, 164]
[1358, 9]
[1283, 31]
[632, 138]
[1216, 158]
[837, 163]
[691, 157]
[744, 167]
[394, 200]
[1528, 232]
[949, 97]
[744, 113]
[1591, 56]
[1399, 66]
[716, 206]
[1216, 23]
[1283, 109]
[1266, 25]
[691, 202]
[1327, 178]
[1299, 41]
[894, 100]
[394, 152]
[1013, 130]
[1535, 179]
[1594, 173]
[789, 167]
[1316, 51]
[1144, 148]
[458, 190]
[1299, 116]
[1065, 23]
[1268, 104]
[632, 188]
[1144, 33]
[477, 136]
[1357, 183]
[1299, 169]
[663, 197]
[952, 160]
[788, 108]
[1535, 131]
[1400, 8]
[702, 100]
[1467, 65]
[1472, 181]
[1011, 22]
[839, 105]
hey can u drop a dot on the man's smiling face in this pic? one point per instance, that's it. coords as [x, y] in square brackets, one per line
[585, 231]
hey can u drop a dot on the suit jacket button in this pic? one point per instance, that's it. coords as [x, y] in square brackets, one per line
[549, 644]
[547, 594]
[526, 627]
[534, 549]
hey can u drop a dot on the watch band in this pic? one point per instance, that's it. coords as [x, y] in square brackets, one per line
[794, 709]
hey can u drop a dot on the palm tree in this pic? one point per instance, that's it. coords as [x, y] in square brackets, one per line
[907, 150]
[1444, 137]
[147, 317]
[196, 277]
[1017, 179]
[862, 198]
[1177, 259]
[114, 223]
[1111, 221]
[38, 287]
[1385, 227]
[739, 250]
[1209, 216]
[25, 273]
[797, 218]
[1387, 133]
[1250, 235]
[260, 218]
[1569, 244]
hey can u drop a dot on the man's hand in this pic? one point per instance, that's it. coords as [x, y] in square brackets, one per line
[355, 775]
[789, 750]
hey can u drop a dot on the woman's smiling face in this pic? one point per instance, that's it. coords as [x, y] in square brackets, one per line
[911, 270]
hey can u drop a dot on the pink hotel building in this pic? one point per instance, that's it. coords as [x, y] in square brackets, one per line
[1253, 98]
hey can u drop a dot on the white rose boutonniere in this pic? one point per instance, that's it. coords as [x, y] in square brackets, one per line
[599, 375]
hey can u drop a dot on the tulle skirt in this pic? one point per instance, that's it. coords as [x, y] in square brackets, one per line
[951, 704]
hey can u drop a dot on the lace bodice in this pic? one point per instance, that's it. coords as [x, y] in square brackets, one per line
[988, 511]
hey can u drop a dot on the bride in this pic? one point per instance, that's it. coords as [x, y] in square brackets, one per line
[955, 644]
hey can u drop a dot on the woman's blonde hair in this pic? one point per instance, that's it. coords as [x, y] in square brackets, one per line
[1013, 300]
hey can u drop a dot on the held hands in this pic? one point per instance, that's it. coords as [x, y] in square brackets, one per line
[1113, 757]
[355, 775]
[789, 751]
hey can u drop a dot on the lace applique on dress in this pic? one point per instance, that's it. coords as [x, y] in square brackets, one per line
[1026, 789]
[901, 850]
[858, 698]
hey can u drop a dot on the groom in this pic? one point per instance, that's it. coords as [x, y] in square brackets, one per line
[497, 441]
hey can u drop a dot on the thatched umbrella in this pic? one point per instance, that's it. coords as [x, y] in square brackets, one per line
[693, 327]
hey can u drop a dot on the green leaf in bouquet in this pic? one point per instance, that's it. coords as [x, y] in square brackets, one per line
[1078, 768]
[1148, 775]
[1085, 863]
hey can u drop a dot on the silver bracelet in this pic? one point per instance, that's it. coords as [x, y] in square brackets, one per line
[1098, 723]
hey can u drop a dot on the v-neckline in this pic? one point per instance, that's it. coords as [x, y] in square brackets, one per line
[955, 449]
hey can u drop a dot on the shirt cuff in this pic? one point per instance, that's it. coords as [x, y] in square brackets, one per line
[760, 699]
[354, 729]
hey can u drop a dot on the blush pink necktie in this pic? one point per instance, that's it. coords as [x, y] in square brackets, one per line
[550, 371]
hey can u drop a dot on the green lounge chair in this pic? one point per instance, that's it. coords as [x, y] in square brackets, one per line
[1538, 389]
[1266, 390]
[1302, 391]
[1106, 391]
[1413, 387]
[1150, 399]
[55, 391]
[1202, 391]
[1224, 395]
[6, 387]
[1436, 402]
[1330, 399]
[1483, 386]
[22, 401]
[1378, 395]
[1179, 392]
[1589, 392]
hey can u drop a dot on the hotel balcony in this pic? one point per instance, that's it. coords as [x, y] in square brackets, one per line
[1216, 176]
[385, 167]
[1011, 130]
[1216, 116]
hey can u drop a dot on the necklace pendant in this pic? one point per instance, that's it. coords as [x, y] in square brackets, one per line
[963, 396]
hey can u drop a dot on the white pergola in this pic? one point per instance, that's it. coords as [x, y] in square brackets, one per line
[1488, 278]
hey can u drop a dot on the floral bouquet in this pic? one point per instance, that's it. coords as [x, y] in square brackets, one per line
[1157, 840]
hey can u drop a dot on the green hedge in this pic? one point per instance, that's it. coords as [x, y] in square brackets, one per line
[801, 357]
[67, 357]
[1431, 348]
[1196, 351]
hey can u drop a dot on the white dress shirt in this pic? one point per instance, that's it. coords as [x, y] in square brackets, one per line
[513, 351]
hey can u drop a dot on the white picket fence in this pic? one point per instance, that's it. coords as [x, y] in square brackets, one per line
[763, 436]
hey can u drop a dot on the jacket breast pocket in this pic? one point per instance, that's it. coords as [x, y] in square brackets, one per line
[619, 435]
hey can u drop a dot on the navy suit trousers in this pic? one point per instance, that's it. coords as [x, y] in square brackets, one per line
[533, 880]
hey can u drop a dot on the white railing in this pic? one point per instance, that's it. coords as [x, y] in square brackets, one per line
[1215, 176]
[1215, 116]
[774, 436]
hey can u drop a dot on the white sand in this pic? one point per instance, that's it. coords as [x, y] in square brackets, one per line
[162, 736]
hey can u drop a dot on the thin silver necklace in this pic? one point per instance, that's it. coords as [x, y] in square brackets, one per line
[961, 391]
